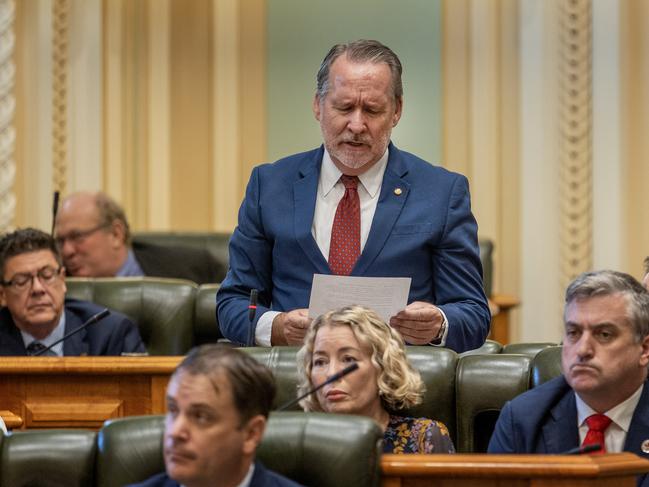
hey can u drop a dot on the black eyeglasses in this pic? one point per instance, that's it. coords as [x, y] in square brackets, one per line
[77, 236]
[47, 275]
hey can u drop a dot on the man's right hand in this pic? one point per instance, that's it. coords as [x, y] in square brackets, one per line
[290, 327]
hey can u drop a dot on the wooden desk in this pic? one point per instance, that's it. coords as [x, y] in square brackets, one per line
[462, 470]
[81, 392]
[500, 321]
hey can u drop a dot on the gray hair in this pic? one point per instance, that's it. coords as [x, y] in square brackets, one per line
[109, 211]
[606, 283]
[361, 51]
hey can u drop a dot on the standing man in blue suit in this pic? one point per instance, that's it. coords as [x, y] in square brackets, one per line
[604, 361]
[35, 313]
[412, 219]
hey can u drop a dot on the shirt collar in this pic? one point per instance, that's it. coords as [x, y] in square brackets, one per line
[370, 179]
[621, 415]
[57, 334]
[131, 266]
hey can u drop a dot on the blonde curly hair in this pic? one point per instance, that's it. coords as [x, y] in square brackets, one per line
[400, 385]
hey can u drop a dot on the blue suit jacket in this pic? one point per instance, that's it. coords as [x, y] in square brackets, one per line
[261, 477]
[113, 335]
[544, 420]
[427, 232]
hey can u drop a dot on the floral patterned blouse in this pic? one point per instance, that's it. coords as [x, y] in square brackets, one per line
[416, 435]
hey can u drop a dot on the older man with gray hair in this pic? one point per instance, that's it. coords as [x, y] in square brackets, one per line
[601, 401]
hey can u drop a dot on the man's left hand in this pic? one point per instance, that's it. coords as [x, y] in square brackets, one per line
[419, 323]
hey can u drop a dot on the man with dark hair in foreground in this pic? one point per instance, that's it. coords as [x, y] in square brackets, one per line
[602, 397]
[35, 312]
[218, 401]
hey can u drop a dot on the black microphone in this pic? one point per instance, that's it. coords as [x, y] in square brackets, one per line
[55, 210]
[337, 376]
[93, 319]
[252, 311]
[580, 450]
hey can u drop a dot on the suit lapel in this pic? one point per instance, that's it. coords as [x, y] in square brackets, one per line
[639, 427]
[388, 209]
[560, 433]
[77, 344]
[11, 341]
[305, 191]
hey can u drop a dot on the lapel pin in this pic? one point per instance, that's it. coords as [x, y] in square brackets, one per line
[645, 446]
[398, 191]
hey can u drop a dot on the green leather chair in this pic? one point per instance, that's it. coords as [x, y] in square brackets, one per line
[527, 348]
[486, 258]
[216, 243]
[489, 346]
[317, 450]
[437, 368]
[282, 363]
[484, 383]
[48, 458]
[546, 366]
[162, 308]
[206, 327]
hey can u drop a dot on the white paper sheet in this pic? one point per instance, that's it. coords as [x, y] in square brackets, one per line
[385, 295]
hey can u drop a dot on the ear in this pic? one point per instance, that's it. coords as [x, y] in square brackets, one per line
[644, 357]
[316, 107]
[118, 231]
[253, 431]
[397, 113]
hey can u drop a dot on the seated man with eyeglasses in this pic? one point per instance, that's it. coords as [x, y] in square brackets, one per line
[94, 239]
[35, 312]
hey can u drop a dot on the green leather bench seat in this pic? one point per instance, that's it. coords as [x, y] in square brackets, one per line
[314, 449]
[163, 309]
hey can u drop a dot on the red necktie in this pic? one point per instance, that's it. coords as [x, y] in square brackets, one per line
[597, 424]
[345, 244]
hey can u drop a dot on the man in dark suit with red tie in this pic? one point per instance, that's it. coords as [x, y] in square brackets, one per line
[602, 397]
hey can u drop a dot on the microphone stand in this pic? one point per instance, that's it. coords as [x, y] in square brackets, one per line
[93, 319]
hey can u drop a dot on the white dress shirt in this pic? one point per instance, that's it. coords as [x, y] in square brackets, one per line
[620, 415]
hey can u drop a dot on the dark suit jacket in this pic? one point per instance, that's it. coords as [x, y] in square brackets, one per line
[113, 335]
[197, 265]
[262, 477]
[544, 420]
[426, 232]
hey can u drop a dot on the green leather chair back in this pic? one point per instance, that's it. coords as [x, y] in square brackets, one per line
[489, 346]
[527, 348]
[216, 243]
[546, 365]
[486, 258]
[48, 458]
[162, 308]
[206, 327]
[437, 368]
[129, 450]
[282, 363]
[484, 384]
[318, 450]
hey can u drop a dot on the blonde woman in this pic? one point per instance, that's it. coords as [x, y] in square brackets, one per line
[384, 383]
